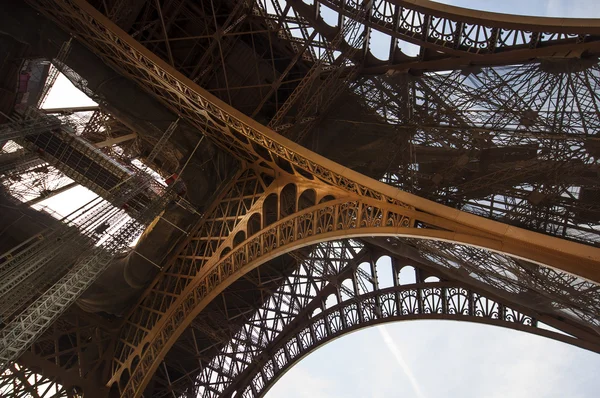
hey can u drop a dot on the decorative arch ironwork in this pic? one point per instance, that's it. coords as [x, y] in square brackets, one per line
[344, 285]
[426, 301]
[212, 259]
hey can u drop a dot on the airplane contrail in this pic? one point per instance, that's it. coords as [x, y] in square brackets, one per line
[389, 342]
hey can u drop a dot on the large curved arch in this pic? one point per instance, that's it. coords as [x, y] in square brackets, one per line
[340, 218]
[279, 238]
[332, 273]
[343, 273]
[425, 301]
[225, 124]
[501, 20]
[459, 36]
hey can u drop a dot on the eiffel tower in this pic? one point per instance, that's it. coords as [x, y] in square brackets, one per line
[301, 142]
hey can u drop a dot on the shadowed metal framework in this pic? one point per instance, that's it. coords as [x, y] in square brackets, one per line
[486, 140]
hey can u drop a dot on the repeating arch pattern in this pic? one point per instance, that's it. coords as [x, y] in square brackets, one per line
[421, 301]
[209, 274]
[339, 287]
[220, 121]
[452, 31]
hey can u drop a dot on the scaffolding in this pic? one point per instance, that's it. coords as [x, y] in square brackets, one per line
[35, 123]
[75, 253]
[42, 277]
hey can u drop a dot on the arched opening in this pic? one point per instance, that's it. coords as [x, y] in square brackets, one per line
[254, 224]
[239, 238]
[124, 379]
[284, 164]
[270, 209]
[329, 16]
[385, 272]
[331, 301]
[326, 198]
[135, 363]
[307, 199]
[347, 289]
[287, 200]
[267, 179]
[365, 278]
[380, 45]
[225, 252]
[407, 275]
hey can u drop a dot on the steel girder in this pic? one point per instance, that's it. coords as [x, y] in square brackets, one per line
[515, 143]
[448, 37]
[70, 359]
[290, 37]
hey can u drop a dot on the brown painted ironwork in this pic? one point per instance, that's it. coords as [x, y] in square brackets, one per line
[288, 199]
[340, 287]
[68, 360]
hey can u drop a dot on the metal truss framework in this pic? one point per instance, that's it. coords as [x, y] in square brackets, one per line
[510, 155]
[420, 301]
[288, 198]
[449, 37]
[343, 286]
[73, 355]
[255, 222]
[339, 287]
[293, 37]
[460, 35]
[19, 381]
[565, 211]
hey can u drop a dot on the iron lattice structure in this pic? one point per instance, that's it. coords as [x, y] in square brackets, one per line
[470, 166]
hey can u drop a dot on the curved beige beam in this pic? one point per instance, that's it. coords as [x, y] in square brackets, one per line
[453, 37]
[258, 249]
[500, 20]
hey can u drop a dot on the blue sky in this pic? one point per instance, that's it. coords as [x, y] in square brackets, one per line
[542, 8]
[451, 359]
